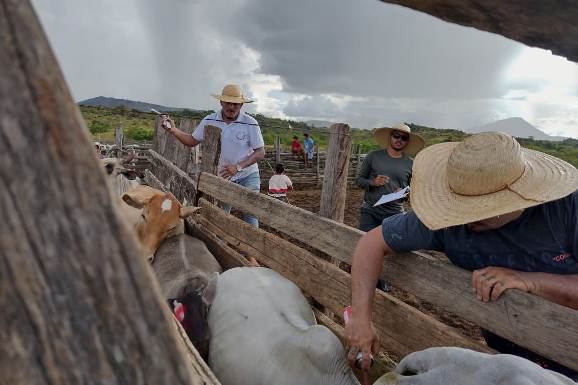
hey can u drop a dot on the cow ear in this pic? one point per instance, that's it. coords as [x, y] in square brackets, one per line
[188, 211]
[210, 290]
[140, 196]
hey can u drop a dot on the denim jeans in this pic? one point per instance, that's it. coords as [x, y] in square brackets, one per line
[253, 182]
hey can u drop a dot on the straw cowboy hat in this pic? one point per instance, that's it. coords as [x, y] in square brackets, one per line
[232, 93]
[382, 137]
[486, 175]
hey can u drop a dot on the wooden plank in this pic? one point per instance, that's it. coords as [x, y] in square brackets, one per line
[78, 304]
[333, 238]
[334, 189]
[402, 328]
[539, 325]
[176, 180]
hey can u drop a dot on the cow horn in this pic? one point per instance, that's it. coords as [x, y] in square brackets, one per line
[188, 211]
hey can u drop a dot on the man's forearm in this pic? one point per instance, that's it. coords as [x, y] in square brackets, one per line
[365, 270]
[184, 138]
[256, 156]
[561, 289]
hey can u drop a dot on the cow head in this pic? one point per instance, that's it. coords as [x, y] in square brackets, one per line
[161, 216]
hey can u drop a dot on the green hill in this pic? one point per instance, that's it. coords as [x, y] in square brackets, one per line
[137, 125]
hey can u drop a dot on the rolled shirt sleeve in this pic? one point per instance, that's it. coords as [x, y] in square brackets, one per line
[199, 133]
[405, 232]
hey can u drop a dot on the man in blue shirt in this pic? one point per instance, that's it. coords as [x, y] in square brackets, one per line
[506, 213]
[308, 147]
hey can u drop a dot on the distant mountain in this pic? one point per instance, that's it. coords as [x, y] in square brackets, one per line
[103, 101]
[319, 123]
[516, 127]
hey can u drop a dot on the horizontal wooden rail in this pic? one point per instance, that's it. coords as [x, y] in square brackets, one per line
[531, 322]
[321, 233]
[402, 329]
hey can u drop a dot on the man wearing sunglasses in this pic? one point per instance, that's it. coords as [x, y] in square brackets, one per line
[385, 171]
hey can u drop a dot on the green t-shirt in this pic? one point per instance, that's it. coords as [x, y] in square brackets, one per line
[398, 170]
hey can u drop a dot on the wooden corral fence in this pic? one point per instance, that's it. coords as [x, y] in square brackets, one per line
[301, 176]
[529, 321]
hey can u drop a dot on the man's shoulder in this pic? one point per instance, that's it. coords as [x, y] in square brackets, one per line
[212, 117]
[247, 119]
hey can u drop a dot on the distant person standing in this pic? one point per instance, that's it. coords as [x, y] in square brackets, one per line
[242, 144]
[279, 184]
[308, 145]
[296, 148]
[385, 171]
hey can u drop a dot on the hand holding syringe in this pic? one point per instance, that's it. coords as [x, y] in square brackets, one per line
[165, 120]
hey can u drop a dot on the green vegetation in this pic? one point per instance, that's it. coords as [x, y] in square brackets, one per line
[101, 123]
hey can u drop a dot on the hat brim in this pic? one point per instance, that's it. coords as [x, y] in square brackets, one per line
[232, 99]
[415, 144]
[546, 178]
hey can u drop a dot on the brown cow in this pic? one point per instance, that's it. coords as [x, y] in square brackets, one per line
[155, 216]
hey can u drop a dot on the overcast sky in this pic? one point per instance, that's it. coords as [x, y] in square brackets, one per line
[361, 62]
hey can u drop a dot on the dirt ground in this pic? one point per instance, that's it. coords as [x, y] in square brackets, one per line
[310, 200]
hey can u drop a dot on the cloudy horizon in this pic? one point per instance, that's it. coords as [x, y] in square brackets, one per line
[365, 63]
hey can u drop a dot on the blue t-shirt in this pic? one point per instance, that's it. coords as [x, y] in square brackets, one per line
[543, 239]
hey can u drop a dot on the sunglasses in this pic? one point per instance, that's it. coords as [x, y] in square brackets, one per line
[397, 135]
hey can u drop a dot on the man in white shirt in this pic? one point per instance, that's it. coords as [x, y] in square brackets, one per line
[242, 144]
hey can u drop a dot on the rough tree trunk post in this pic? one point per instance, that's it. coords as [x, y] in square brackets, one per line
[182, 154]
[317, 166]
[118, 136]
[334, 189]
[211, 151]
[277, 149]
[78, 304]
[335, 175]
[160, 137]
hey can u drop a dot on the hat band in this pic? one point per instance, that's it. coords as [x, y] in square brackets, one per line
[507, 187]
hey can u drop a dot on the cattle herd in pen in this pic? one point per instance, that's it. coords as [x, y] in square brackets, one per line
[253, 326]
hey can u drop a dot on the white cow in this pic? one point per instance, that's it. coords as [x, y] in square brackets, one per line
[120, 179]
[263, 332]
[458, 366]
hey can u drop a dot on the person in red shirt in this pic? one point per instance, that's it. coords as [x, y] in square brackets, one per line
[296, 148]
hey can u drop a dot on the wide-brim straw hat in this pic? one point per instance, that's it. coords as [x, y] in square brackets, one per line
[486, 175]
[414, 145]
[232, 93]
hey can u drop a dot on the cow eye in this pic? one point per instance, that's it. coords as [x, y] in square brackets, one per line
[143, 217]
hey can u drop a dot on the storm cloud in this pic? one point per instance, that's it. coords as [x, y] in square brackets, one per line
[361, 62]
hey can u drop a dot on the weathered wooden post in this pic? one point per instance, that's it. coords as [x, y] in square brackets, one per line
[211, 150]
[334, 188]
[79, 305]
[118, 137]
[317, 166]
[182, 154]
[277, 149]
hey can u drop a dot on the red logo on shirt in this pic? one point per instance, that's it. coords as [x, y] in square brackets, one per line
[561, 257]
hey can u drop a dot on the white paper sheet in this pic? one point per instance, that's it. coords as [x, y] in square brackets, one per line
[392, 197]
